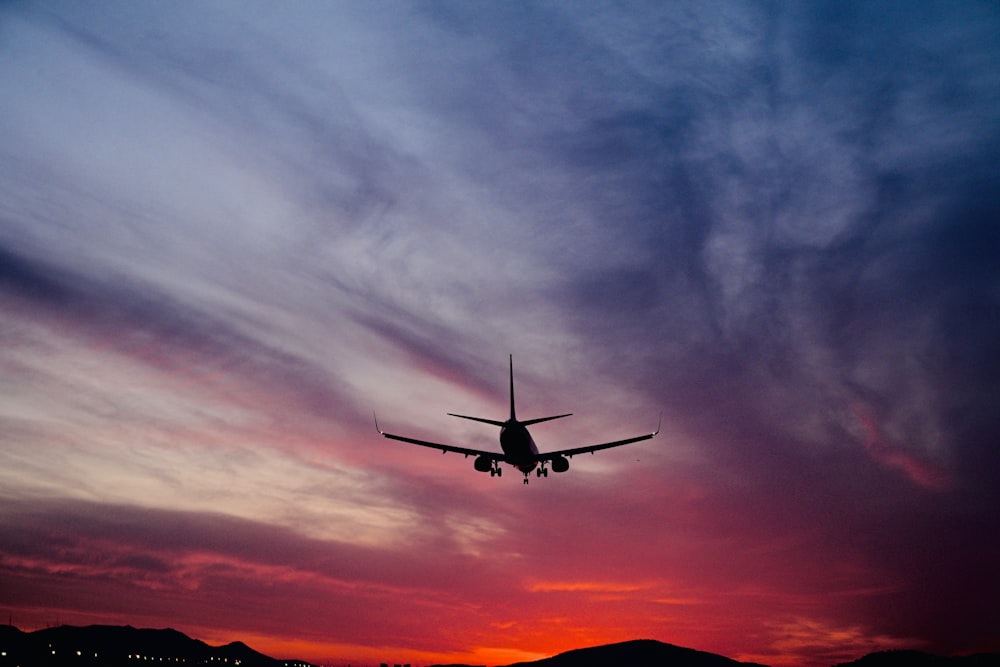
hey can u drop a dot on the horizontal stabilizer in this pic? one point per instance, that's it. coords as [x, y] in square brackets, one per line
[494, 422]
[544, 419]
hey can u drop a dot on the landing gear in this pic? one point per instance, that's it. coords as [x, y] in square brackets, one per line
[496, 470]
[542, 471]
[525, 478]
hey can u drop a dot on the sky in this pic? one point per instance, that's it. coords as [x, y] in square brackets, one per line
[231, 231]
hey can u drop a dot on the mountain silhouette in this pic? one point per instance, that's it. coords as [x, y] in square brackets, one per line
[635, 653]
[921, 659]
[651, 653]
[125, 646]
[113, 645]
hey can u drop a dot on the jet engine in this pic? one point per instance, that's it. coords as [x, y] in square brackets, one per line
[560, 464]
[483, 464]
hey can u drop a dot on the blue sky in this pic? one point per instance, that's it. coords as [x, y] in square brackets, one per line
[230, 231]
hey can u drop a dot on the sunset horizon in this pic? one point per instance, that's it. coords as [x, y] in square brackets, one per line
[332, 653]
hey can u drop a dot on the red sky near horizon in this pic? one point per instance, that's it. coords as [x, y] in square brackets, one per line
[230, 234]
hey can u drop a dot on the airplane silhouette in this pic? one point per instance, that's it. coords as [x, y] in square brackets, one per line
[519, 449]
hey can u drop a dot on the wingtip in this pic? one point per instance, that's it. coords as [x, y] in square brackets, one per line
[659, 422]
[376, 423]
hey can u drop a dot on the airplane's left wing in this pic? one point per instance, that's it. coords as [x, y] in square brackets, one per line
[546, 456]
[496, 456]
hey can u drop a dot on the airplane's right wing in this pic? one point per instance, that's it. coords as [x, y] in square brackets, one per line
[593, 448]
[495, 456]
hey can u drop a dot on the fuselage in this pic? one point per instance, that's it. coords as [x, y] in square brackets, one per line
[518, 446]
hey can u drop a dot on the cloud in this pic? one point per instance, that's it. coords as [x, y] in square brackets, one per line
[218, 564]
[894, 456]
[178, 338]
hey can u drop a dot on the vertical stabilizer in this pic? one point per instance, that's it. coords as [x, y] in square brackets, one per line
[512, 416]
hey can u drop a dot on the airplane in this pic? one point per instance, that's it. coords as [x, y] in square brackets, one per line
[519, 449]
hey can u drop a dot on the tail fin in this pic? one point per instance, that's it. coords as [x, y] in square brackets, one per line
[513, 416]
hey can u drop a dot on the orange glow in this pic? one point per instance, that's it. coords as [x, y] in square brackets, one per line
[322, 652]
[584, 587]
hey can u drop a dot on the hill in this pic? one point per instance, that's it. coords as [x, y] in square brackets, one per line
[636, 653]
[650, 653]
[114, 646]
[123, 646]
[921, 659]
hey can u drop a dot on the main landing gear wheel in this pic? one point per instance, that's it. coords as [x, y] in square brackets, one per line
[496, 471]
